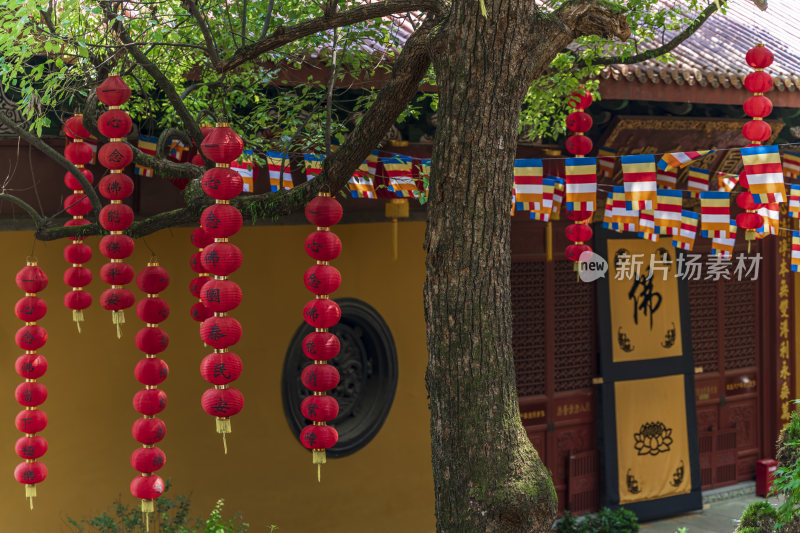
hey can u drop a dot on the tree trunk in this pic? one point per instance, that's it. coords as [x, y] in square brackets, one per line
[487, 475]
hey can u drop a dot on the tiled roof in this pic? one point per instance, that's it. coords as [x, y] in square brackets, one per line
[714, 55]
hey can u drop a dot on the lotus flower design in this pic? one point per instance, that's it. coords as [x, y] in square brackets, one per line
[653, 438]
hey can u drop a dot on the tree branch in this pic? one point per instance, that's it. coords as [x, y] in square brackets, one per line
[47, 150]
[38, 221]
[655, 52]
[211, 45]
[284, 35]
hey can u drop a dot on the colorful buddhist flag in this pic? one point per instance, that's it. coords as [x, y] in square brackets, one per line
[608, 214]
[647, 227]
[715, 210]
[147, 144]
[764, 173]
[697, 181]
[667, 179]
[278, 165]
[627, 219]
[528, 183]
[581, 182]
[92, 142]
[372, 162]
[558, 194]
[794, 200]
[667, 215]
[726, 182]
[548, 191]
[178, 150]
[772, 218]
[680, 159]
[791, 165]
[724, 245]
[398, 171]
[606, 159]
[639, 179]
[796, 251]
[246, 169]
[684, 239]
[313, 165]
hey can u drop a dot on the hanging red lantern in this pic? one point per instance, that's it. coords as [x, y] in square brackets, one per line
[151, 340]
[148, 431]
[756, 131]
[77, 205]
[148, 460]
[759, 57]
[749, 221]
[115, 155]
[323, 246]
[579, 144]
[115, 186]
[116, 217]
[318, 408]
[147, 488]
[116, 273]
[322, 313]
[115, 124]
[758, 82]
[319, 437]
[578, 232]
[580, 99]
[152, 310]
[151, 371]
[196, 285]
[74, 128]
[579, 121]
[320, 377]
[72, 182]
[324, 211]
[758, 106]
[149, 402]
[321, 345]
[113, 91]
[574, 251]
[219, 258]
[77, 253]
[31, 366]
[153, 279]
[322, 279]
[78, 153]
[77, 277]
[116, 246]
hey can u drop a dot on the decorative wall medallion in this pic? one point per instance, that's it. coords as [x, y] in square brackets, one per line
[367, 364]
[653, 438]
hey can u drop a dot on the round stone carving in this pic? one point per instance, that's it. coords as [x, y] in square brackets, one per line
[367, 364]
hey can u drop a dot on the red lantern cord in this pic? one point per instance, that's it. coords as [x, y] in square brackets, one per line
[579, 122]
[116, 216]
[218, 296]
[321, 313]
[150, 372]
[31, 366]
[78, 205]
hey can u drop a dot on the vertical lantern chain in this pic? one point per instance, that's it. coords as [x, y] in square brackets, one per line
[579, 122]
[150, 372]
[78, 205]
[219, 295]
[756, 131]
[31, 366]
[321, 345]
[200, 239]
[116, 186]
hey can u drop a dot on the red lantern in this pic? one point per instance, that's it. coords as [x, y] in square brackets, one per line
[758, 106]
[322, 313]
[30, 308]
[148, 431]
[319, 408]
[30, 473]
[578, 232]
[758, 82]
[116, 299]
[221, 220]
[148, 460]
[220, 332]
[321, 345]
[31, 338]
[221, 296]
[579, 122]
[113, 91]
[756, 131]
[74, 128]
[579, 144]
[116, 246]
[30, 421]
[78, 153]
[580, 99]
[320, 377]
[31, 279]
[151, 371]
[116, 273]
[77, 253]
[151, 341]
[222, 403]
[196, 285]
[574, 251]
[152, 310]
[115, 155]
[322, 279]
[31, 447]
[745, 201]
[221, 258]
[324, 211]
[150, 402]
[323, 245]
[221, 368]
[72, 182]
[116, 217]
[222, 145]
[318, 437]
[147, 489]
[31, 365]
[153, 279]
[200, 312]
[201, 239]
[77, 276]
[115, 124]
[30, 394]
[77, 300]
[77, 205]
[76, 222]
[116, 186]
[749, 221]
[222, 183]
[759, 57]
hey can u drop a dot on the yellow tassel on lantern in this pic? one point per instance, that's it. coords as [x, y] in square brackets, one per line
[396, 208]
[118, 318]
[148, 506]
[318, 458]
[30, 493]
[77, 317]
[224, 427]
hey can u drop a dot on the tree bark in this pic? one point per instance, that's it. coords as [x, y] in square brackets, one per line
[487, 475]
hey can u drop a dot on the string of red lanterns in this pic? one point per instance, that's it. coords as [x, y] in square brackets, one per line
[321, 313]
[200, 239]
[150, 371]
[116, 186]
[31, 365]
[756, 131]
[578, 144]
[78, 205]
[220, 258]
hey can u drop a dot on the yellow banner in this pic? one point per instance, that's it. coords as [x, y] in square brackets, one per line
[652, 441]
[645, 313]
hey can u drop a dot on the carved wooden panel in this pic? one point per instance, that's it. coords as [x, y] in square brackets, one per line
[741, 417]
[740, 324]
[583, 491]
[704, 314]
[570, 440]
[707, 418]
[575, 330]
[528, 307]
[706, 442]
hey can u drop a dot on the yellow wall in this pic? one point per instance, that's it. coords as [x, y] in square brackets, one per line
[267, 475]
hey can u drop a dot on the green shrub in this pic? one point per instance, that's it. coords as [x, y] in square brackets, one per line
[758, 517]
[606, 521]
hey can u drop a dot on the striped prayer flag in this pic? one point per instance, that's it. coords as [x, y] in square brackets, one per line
[626, 218]
[558, 194]
[313, 165]
[246, 169]
[684, 239]
[548, 191]
[608, 214]
[277, 163]
[92, 142]
[667, 215]
[791, 165]
[724, 245]
[764, 173]
[715, 210]
[401, 180]
[528, 183]
[680, 159]
[667, 179]
[147, 144]
[606, 159]
[361, 184]
[639, 179]
[726, 182]
[796, 251]
[581, 178]
[178, 150]
[697, 181]
[772, 217]
[372, 162]
[647, 226]
[794, 200]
